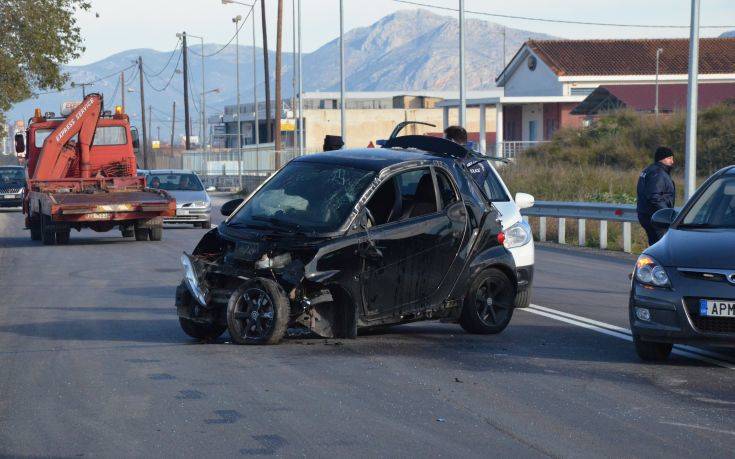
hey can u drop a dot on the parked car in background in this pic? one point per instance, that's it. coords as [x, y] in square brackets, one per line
[193, 204]
[683, 287]
[12, 186]
[353, 239]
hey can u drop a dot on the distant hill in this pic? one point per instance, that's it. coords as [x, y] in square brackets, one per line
[728, 34]
[407, 50]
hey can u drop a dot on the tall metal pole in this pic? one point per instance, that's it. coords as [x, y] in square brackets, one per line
[690, 163]
[279, 68]
[658, 57]
[342, 102]
[142, 114]
[187, 127]
[173, 126]
[255, 91]
[204, 104]
[301, 91]
[293, 75]
[236, 20]
[266, 67]
[462, 89]
[122, 86]
[150, 125]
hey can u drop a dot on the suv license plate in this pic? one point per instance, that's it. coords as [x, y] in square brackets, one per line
[9, 196]
[716, 308]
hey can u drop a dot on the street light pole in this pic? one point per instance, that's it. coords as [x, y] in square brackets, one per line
[256, 116]
[236, 20]
[301, 92]
[462, 82]
[342, 114]
[658, 58]
[690, 163]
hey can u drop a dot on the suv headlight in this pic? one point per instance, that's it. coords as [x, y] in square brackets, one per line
[649, 272]
[517, 235]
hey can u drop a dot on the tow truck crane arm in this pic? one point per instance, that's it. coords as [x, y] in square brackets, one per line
[58, 152]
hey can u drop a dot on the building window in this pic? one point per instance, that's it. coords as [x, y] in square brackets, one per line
[581, 91]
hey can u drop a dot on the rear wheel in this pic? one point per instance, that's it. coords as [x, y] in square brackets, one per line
[199, 330]
[650, 351]
[488, 305]
[523, 299]
[141, 234]
[127, 232]
[48, 233]
[258, 313]
[62, 236]
[156, 233]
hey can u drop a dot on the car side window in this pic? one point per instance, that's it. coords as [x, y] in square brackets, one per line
[446, 191]
[484, 177]
[384, 205]
[418, 196]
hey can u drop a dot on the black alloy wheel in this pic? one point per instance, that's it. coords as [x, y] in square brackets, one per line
[488, 306]
[258, 313]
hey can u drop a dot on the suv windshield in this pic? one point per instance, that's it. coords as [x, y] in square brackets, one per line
[11, 174]
[175, 182]
[305, 196]
[715, 208]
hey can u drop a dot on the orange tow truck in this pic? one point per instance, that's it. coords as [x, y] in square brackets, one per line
[82, 174]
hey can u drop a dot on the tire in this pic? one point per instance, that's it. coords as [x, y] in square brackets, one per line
[488, 305]
[141, 234]
[652, 352]
[201, 331]
[269, 303]
[35, 227]
[205, 225]
[156, 233]
[127, 232]
[523, 299]
[62, 237]
[48, 234]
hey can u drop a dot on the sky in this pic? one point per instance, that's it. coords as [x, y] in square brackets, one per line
[116, 25]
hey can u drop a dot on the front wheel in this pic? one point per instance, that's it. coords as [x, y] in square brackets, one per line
[258, 312]
[650, 351]
[141, 234]
[523, 299]
[199, 330]
[488, 305]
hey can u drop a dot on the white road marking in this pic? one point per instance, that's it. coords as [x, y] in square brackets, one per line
[615, 331]
[694, 426]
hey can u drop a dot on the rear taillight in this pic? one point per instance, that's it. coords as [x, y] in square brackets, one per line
[501, 237]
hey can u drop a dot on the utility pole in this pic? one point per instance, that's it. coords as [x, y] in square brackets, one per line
[236, 20]
[690, 163]
[187, 128]
[173, 126]
[301, 92]
[342, 102]
[504, 64]
[462, 82]
[293, 76]
[122, 87]
[256, 116]
[150, 121]
[658, 58]
[158, 137]
[142, 113]
[268, 119]
[279, 102]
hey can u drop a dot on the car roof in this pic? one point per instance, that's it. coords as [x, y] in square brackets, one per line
[729, 170]
[375, 159]
[167, 171]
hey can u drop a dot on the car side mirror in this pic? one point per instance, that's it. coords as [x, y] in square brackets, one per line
[211, 188]
[230, 206]
[136, 138]
[524, 200]
[663, 218]
[20, 144]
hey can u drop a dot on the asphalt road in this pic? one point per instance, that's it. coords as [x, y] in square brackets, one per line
[93, 363]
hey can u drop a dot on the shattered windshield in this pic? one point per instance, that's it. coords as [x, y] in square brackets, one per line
[305, 196]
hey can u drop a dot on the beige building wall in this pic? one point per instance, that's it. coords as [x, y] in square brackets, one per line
[369, 125]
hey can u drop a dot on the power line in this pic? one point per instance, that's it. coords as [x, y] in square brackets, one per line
[561, 21]
[170, 56]
[229, 42]
[117, 72]
[176, 67]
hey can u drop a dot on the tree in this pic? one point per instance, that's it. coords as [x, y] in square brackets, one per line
[37, 38]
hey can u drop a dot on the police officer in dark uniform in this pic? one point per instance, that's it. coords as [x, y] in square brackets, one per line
[656, 191]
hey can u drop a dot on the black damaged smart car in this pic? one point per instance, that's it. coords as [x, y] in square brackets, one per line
[352, 239]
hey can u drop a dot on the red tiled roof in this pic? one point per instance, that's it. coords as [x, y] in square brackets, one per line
[642, 97]
[633, 57]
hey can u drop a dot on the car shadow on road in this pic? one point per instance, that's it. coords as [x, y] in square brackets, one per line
[122, 330]
[79, 241]
[168, 292]
[116, 310]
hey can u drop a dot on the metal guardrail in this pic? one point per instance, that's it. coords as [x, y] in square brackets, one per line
[583, 211]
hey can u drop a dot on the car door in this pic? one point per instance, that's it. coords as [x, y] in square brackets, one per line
[411, 245]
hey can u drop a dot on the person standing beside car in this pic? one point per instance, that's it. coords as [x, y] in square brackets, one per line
[456, 134]
[656, 191]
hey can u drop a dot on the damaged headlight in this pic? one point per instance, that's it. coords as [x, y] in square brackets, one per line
[279, 261]
[192, 281]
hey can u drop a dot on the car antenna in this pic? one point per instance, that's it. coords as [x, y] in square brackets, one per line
[399, 127]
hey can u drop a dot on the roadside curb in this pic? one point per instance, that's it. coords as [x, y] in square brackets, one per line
[588, 250]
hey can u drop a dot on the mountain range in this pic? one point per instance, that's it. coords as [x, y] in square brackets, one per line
[407, 50]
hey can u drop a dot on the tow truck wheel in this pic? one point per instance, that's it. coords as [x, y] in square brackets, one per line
[156, 233]
[258, 312]
[62, 237]
[141, 234]
[127, 232]
[48, 234]
[199, 330]
[34, 223]
[488, 306]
